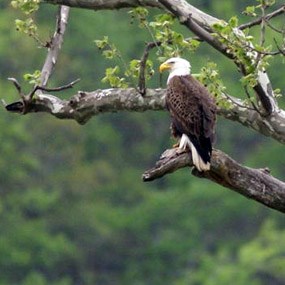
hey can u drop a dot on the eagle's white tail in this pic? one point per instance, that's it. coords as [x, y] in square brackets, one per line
[197, 160]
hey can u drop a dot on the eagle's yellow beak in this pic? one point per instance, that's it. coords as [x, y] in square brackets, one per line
[164, 66]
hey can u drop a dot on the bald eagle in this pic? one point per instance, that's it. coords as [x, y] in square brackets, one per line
[192, 110]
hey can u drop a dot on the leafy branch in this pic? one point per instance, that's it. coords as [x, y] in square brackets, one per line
[28, 25]
[164, 38]
[252, 58]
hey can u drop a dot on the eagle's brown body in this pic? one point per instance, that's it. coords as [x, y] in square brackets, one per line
[193, 113]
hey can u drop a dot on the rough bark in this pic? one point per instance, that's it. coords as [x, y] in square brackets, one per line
[256, 184]
[84, 105]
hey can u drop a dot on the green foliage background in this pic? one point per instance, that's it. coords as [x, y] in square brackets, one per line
[73, 209]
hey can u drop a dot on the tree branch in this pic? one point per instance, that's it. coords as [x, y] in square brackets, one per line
[255, 184]
[50, 61]
[143, 60]
[83, 105]
[103, 5]
[55, 44]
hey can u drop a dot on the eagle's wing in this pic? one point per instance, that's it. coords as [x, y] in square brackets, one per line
[193, 112]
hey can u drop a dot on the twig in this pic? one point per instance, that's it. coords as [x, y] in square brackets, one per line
[155, 42]
[262, 34]
[56, 89]
[250, 47]
[141, 83]
[273, 28]
[29, 97]
[236, 103]
[266, 18]
[281, 50]
[3, 102]
[16, 84]
[252, 103]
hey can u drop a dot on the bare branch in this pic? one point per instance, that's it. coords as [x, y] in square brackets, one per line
[251, 101]
[25, 105]
[51, 58]
[29, 97]
[255, 184]
[281, 50]
[56, 89]
[236, 103]
[149, 46]
[55, 45]
[16, 84]
[279, 31]
[262, 34]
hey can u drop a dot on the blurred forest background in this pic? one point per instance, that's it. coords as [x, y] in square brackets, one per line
[73, 208]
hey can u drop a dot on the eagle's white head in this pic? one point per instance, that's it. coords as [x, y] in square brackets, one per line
[177, 67]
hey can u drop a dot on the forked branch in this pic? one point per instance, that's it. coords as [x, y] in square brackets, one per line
[26, 105]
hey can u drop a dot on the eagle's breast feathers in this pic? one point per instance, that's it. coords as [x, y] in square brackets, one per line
[191, 106]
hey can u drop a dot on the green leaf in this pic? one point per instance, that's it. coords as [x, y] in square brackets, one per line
[26, 6]
[101, 44]
[112, 78]
[250, 11]
[33, 78]
[233, 22]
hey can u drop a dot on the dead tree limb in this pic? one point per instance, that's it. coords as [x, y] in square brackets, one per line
[256, 184]
[55, 44]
